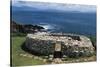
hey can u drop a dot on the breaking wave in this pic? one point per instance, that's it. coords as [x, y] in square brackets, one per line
[49, 27]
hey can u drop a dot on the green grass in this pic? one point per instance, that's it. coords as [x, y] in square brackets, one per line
[18, 60]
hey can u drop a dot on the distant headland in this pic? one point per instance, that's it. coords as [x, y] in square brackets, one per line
[25, 28]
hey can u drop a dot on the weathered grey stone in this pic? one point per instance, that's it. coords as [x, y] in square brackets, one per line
[43, 44]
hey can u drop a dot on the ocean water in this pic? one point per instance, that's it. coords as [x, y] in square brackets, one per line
[66, 22]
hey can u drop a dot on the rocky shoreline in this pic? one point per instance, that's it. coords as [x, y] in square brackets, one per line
[25, 28]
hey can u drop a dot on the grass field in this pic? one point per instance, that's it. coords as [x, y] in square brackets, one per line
[18, 60]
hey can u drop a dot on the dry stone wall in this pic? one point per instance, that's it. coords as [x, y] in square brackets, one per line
[46, 47]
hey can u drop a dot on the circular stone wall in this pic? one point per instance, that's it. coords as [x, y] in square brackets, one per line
[40, 47]
[47, 47]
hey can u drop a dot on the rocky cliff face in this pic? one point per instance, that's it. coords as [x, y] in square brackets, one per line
[24, 28]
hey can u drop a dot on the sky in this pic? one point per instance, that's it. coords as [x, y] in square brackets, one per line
[53, 6]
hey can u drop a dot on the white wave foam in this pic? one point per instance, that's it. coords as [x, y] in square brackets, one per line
[48, 26]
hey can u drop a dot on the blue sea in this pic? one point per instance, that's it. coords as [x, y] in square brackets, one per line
[66, 22]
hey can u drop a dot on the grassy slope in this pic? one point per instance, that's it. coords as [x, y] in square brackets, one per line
[18, 60]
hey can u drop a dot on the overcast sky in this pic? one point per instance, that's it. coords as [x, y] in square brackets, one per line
[54, 6]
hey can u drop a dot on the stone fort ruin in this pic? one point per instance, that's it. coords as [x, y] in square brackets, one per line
[59, 45]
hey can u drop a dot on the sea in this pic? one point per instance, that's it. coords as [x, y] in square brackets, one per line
[64, 22]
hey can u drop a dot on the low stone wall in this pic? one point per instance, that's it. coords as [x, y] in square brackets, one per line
[41, 47]
[75, 51]
[46, 47]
